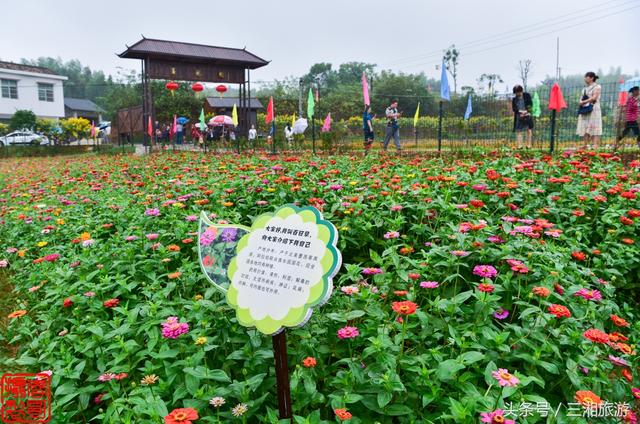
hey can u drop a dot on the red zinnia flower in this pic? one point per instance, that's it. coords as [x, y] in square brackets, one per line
[111, 303]
[477, 203]
[578, 256]
[596, 335]
[404, 308]
[400, 292]
[627, 375]
[559, 311]
[486, 287]
[626, 221]
[342, 414]
[558, 289]
[181, 415]
[309, 362]
[68, 302]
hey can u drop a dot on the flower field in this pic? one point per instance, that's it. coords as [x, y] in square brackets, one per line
[492, 289]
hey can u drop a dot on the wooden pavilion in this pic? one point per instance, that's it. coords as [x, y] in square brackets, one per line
[173, 60]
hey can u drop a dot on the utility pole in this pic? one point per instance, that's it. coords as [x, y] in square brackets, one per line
[300, 98]
[558, 59]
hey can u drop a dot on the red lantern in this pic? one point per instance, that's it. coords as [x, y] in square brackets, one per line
[221, 89]
[197, 88]
[172, 86]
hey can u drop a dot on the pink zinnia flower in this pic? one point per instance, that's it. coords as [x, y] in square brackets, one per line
[371, 271]
[391, 235]
[4, 263]
[172, 329]
[348, 333]
[335, 187]
[517, 266]
[495, 239]
[586, 294]
[618, 361]
[485, 271]
[495, 417]
[52, 257]
[191, 218]
[429, 284]
[131, 238]
[459, 253]
[349, 290]
[396, 208]
[107, 376]
[89, 294]
[152, 236]
[152, 212]
[501, 314]
[505, 378]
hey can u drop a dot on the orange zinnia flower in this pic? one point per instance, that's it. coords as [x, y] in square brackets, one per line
[174, 275]
[17, 314]
[541, 291]
[587, 398]
[596, 335]
[181, 416]
[173, 248]
[620, 322]
[404, 308]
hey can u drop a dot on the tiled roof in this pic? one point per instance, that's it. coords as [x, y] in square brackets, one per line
[26, 68]
[82, 105]
[148, 47]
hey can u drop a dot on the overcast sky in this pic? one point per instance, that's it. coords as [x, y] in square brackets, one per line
[402, 35]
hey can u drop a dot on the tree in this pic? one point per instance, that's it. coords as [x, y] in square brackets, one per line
[451, 62]
[491, 80]
[47, 127]
[525, 69]
[23, 120]
[75, 127]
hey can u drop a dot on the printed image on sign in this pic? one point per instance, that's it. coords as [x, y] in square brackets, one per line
[216, 247]
[282, 268]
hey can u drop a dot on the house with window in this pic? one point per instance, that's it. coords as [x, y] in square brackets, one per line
[83, 108]
[30, 88]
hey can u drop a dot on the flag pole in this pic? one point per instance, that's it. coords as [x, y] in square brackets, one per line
[553, 131]
[313, 134]
[273, 138]
[440, 126]
[282, 375]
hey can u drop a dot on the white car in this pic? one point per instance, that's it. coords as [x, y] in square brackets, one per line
[24, 138]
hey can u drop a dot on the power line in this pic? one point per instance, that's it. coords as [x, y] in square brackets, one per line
[532, 37]
[518, 31]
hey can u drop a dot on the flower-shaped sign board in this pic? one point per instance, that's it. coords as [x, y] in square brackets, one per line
[275, 272]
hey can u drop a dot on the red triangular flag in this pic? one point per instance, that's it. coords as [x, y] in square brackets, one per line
[556, 99]
[270, 112]
[174, 128]
[150, 128]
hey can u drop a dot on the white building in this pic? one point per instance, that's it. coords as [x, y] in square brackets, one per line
[31, 88]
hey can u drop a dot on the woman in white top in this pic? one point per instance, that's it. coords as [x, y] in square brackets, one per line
[590, 123]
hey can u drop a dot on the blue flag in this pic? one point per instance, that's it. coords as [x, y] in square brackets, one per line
[467, 114]
[444, 84]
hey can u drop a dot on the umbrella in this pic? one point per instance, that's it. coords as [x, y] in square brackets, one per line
[221, 120]
[299, 126]
[182, 120]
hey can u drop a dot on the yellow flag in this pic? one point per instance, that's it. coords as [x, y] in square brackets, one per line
[234, 115]
[293, 120]
[415, 118]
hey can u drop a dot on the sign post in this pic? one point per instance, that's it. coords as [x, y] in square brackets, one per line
[273, 274]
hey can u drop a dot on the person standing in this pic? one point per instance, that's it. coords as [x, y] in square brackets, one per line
[393, 129]
[367, 126]
[589, 113]
[522, 120]
[631, 116]
[179, 133]
[288, 134]
[253, 134]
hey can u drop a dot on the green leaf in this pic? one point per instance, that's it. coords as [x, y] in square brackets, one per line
[488, 378]
[447, 369]
[384, 398]
[471, 357]
[396, 410]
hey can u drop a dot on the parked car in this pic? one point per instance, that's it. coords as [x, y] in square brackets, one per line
[22, 138]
